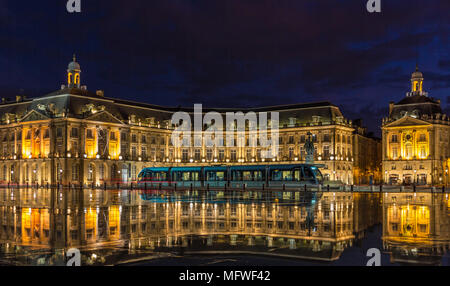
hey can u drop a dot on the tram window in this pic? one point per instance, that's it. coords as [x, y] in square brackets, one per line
[287, 175]
[186, 176]
[237, 176]
[247, 175]
[277, 175]
[298, 175]
[194, 176]
[308, 173]
[220, 176]
[258, 176]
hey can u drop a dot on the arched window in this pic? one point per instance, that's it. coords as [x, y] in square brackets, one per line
[408, 150]
[90, 172]
[101, 172]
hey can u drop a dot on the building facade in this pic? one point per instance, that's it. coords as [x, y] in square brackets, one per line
[75, 136]
[416, 139]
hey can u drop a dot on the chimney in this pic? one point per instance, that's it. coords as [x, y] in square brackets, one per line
[100, 93]
[18, 98]
[391, 106]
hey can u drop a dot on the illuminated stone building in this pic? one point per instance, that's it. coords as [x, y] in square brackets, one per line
[73, 135]
[295, 224]
[416, 138]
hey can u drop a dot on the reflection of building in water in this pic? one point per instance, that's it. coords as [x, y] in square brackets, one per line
[302, 225]
[416, 227]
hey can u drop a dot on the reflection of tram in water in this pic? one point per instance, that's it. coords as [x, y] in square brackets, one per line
[285, 198]
[253, 176]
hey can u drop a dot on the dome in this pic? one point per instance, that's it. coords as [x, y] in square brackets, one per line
[73, 65]
[417, 74]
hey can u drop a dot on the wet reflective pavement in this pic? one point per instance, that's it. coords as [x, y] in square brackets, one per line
[236, 228]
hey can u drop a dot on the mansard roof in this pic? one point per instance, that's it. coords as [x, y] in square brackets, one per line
[417, 106]
[79, 103]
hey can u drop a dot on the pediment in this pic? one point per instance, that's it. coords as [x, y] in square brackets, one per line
[104, 116]
[408, 121]
[33, 115]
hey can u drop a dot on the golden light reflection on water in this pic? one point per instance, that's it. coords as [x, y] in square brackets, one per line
[318, 226]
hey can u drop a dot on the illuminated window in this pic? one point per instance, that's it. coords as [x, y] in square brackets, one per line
[394, 153]
[408, 150]
[89, 134]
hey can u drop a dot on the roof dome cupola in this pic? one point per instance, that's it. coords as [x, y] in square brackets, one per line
[417, 83]
[73, 74]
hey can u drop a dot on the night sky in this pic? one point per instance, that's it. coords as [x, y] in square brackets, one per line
[231, 53]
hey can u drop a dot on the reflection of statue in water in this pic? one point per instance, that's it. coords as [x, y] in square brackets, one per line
[309, 149]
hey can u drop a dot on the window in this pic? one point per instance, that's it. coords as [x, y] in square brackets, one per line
[197, 154]
[101, 172]
[74, 172]
[28, 137]
[123, 136]
[46, 133]
[185, 155]
[134, 138]
[233, 155]
[89, 134]
[422, 138]
[112, 136]
[209, 154]
[144, 151]
[408, 150]
[133, 151]
[326, 151]
[394, 138]
[74, 132]
[291, 139]
[221, 155]
[394, 153]
[144, 139]
[291, 153]
[58, 132]
[90, 172]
